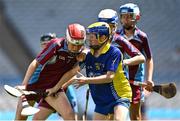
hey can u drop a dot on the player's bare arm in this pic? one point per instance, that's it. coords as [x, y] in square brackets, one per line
[32, 67]
[134, 60]
[67, 76]
[106, 78]
[149, 71]
[136, 56]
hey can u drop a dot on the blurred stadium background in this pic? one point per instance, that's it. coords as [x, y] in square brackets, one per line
[23, 21]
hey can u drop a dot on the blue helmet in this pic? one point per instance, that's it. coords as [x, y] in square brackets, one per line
[108, 16]
[99, 29]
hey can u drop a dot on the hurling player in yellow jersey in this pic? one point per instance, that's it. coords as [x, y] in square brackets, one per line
[108, 84]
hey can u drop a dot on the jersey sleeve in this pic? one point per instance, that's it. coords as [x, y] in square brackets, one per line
[126, 46]
[48, 52]
[113, 60]
[147, 50]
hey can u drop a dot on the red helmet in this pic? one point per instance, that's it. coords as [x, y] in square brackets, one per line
[76, 34]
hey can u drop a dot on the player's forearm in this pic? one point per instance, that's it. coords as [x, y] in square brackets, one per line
[149, 69]
[134, 60]
[66, 77]
[31, 69]
[66, 84]
[63, 80]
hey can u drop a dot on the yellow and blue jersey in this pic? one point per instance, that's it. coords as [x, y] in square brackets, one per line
[109, 60]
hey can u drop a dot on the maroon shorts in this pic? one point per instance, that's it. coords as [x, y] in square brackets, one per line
[136, 94]
[39, 86]
[43, 103]
[39, 98]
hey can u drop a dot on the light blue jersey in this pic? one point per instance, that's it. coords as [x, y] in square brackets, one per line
[72, 98]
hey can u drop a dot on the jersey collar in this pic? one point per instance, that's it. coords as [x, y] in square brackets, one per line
[104, 50]
[135, 36]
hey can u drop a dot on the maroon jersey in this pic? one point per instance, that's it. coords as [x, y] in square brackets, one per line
[125, 46]
[136, 72]
[53, 71]
[140, 41]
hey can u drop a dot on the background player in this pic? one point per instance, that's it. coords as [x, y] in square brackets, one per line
[111, 17]
[129, 16]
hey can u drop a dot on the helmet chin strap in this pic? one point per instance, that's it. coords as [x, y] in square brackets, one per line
[74, 53]
[129, 27]
[95, 47]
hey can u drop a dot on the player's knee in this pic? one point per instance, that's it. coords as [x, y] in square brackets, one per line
[37, 117]
[19, 117]
[119, 118]
[135, 116]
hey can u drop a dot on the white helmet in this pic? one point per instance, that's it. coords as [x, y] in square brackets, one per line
[130, 8]
[108, 16]
[76, 34]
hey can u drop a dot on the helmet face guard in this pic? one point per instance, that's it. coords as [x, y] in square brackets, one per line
[112, 20]
[76, 34]
[75, 53]
[99, 29]
[131, 9]
[108, 16]
[74, 41]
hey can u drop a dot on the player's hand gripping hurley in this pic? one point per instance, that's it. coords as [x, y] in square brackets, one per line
[18, 92]
[167, 90]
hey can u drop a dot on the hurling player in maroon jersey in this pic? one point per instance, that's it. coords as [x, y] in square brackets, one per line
[64, 52]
